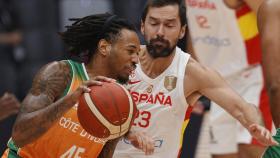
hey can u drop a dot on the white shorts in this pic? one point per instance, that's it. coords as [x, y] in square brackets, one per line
[226, 132]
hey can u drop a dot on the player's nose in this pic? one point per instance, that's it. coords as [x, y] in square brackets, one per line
[160, 30]
[134, 58]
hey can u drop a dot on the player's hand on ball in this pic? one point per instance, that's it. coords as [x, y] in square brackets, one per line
[262, 135]
[141, 141]
[84, 88]
[96, 81]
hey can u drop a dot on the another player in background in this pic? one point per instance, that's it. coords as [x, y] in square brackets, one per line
[228, 41]
[269, 27]
[167, 82]
[9, 105]
[10, 38]
[47, 125]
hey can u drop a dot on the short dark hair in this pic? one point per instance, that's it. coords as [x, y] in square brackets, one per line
[162, 3]
[83, 36]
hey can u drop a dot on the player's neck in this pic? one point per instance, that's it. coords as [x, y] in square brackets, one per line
[97, 68]
[153, 67]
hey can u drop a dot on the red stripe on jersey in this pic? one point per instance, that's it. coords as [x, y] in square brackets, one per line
[242, 11]
[179, 153]
[188, 112]
[253, 45]
[253, 49]
[266, 113]
[187, 117]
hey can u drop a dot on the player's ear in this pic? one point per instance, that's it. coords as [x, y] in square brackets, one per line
[142, 27]
[104, 47]
[182, 31]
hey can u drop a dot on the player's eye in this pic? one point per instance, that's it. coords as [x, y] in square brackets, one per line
[130, 52]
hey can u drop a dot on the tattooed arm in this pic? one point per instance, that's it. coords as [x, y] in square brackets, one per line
[39, 111]
[42, 105]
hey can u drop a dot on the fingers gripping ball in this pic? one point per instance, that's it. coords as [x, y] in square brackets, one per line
[107, 111]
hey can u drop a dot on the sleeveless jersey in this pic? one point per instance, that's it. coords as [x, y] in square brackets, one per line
[66, 138]
[223, 39]
[162, 106]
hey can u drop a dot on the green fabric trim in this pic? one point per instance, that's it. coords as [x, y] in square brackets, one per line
[273, 151]
[80, 70]
[69, 62]
[13, 149]
[12, 154]
[77, 69]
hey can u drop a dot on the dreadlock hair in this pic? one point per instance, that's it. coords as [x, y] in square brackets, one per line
[83, 36]
[162, 3]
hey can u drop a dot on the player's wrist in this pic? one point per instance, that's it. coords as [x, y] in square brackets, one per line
[129, 134]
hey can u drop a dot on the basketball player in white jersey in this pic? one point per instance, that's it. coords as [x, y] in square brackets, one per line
[167, 82]
[227, 40]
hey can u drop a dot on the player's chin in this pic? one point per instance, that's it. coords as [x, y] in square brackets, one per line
[123, 79]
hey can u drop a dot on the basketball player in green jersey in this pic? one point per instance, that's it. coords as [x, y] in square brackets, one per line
[269, 28]
[107, 46]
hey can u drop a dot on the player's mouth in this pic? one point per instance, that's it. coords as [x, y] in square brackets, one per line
[131, 70]
[159, 44]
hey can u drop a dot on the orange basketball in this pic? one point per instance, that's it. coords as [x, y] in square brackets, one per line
[107, 111]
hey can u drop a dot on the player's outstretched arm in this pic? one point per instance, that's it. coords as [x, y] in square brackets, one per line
[141, 141]
[269, 28]
[210, 84]
[43, 106]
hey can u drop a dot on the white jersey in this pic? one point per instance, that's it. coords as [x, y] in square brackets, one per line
[216, 37]
[162, 107]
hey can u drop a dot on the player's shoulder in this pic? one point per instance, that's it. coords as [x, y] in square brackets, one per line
[52, 76]
[272, 4]
[57, 64]
[197, 71]
[270, 7]
[54, 68]
[195, 66]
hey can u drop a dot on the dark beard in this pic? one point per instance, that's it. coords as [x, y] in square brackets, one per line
[157, 51]
[122, 80]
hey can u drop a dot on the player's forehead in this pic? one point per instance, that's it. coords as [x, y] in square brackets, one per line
[128, 38]
[164, 13]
